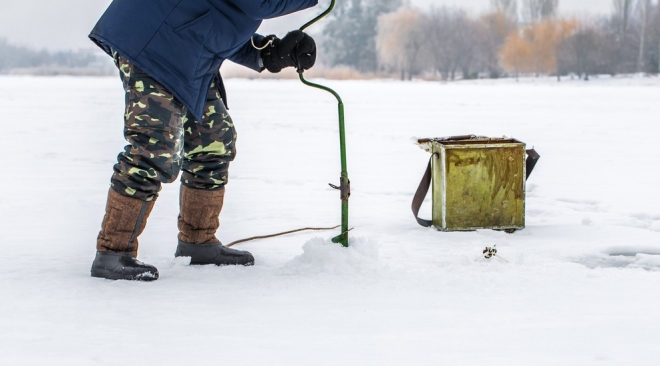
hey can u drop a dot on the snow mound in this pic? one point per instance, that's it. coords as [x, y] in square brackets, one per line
[180, 262]
[322, 256]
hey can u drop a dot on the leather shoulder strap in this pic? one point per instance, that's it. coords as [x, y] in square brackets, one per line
[421, 193]
[532, 159]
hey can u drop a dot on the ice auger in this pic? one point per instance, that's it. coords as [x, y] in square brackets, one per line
[345, 184]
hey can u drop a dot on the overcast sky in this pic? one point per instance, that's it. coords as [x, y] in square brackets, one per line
[64, 24]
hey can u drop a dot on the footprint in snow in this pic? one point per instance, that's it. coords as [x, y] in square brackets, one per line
[647, 258]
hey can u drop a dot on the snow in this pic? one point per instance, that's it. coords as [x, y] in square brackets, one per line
[581, 287]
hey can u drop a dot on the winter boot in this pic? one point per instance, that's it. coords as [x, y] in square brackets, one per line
[117, 244]
[198, 222]
[120, 266]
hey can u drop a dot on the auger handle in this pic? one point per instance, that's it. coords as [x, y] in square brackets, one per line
[332, 6]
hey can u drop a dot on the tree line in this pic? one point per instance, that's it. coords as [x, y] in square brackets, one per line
[28, 60]
[512, 38]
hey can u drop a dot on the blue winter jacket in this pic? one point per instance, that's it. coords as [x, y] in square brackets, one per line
[182, 43]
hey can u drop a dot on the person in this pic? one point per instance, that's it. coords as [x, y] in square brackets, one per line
[169, 53]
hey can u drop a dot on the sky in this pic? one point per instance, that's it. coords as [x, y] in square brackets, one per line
[64, 24]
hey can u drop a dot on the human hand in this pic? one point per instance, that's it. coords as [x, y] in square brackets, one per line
[295, 49]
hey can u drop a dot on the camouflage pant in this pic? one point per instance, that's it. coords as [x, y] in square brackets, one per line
[164, 138]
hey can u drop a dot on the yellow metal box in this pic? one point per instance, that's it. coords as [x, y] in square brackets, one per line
[477, 183]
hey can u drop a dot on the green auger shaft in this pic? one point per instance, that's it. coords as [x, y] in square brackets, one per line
[345, 184]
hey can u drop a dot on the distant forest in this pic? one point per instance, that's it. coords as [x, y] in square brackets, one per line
[515, 37]
[23, 60]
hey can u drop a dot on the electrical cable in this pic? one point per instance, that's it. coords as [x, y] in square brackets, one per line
[279, 234]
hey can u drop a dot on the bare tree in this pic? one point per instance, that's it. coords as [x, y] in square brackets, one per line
[583, 52]
[622, 10]
[535, 10]
[455, 41]
[440, 27]
[620, 28]
[349, 36]
[506, 7]
[656, 29]
[399, 41]
[549, 8]
[496, 27]
[468, 36]
[644, 9]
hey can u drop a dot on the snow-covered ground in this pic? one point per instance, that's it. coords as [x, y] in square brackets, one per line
[582, 286]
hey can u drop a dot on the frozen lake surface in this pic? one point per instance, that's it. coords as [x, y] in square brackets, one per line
[582, 286]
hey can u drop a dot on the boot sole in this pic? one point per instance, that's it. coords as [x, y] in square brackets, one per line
[146, 276]
[221, 264]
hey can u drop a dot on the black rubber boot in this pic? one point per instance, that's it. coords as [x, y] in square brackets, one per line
[119, 266]
[214, 253]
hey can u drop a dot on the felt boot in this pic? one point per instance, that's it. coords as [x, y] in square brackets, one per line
[117, 243]
[198, 222]
[120, 266]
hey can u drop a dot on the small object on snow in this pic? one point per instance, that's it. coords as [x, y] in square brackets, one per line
[492, 252]
[489, 252]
